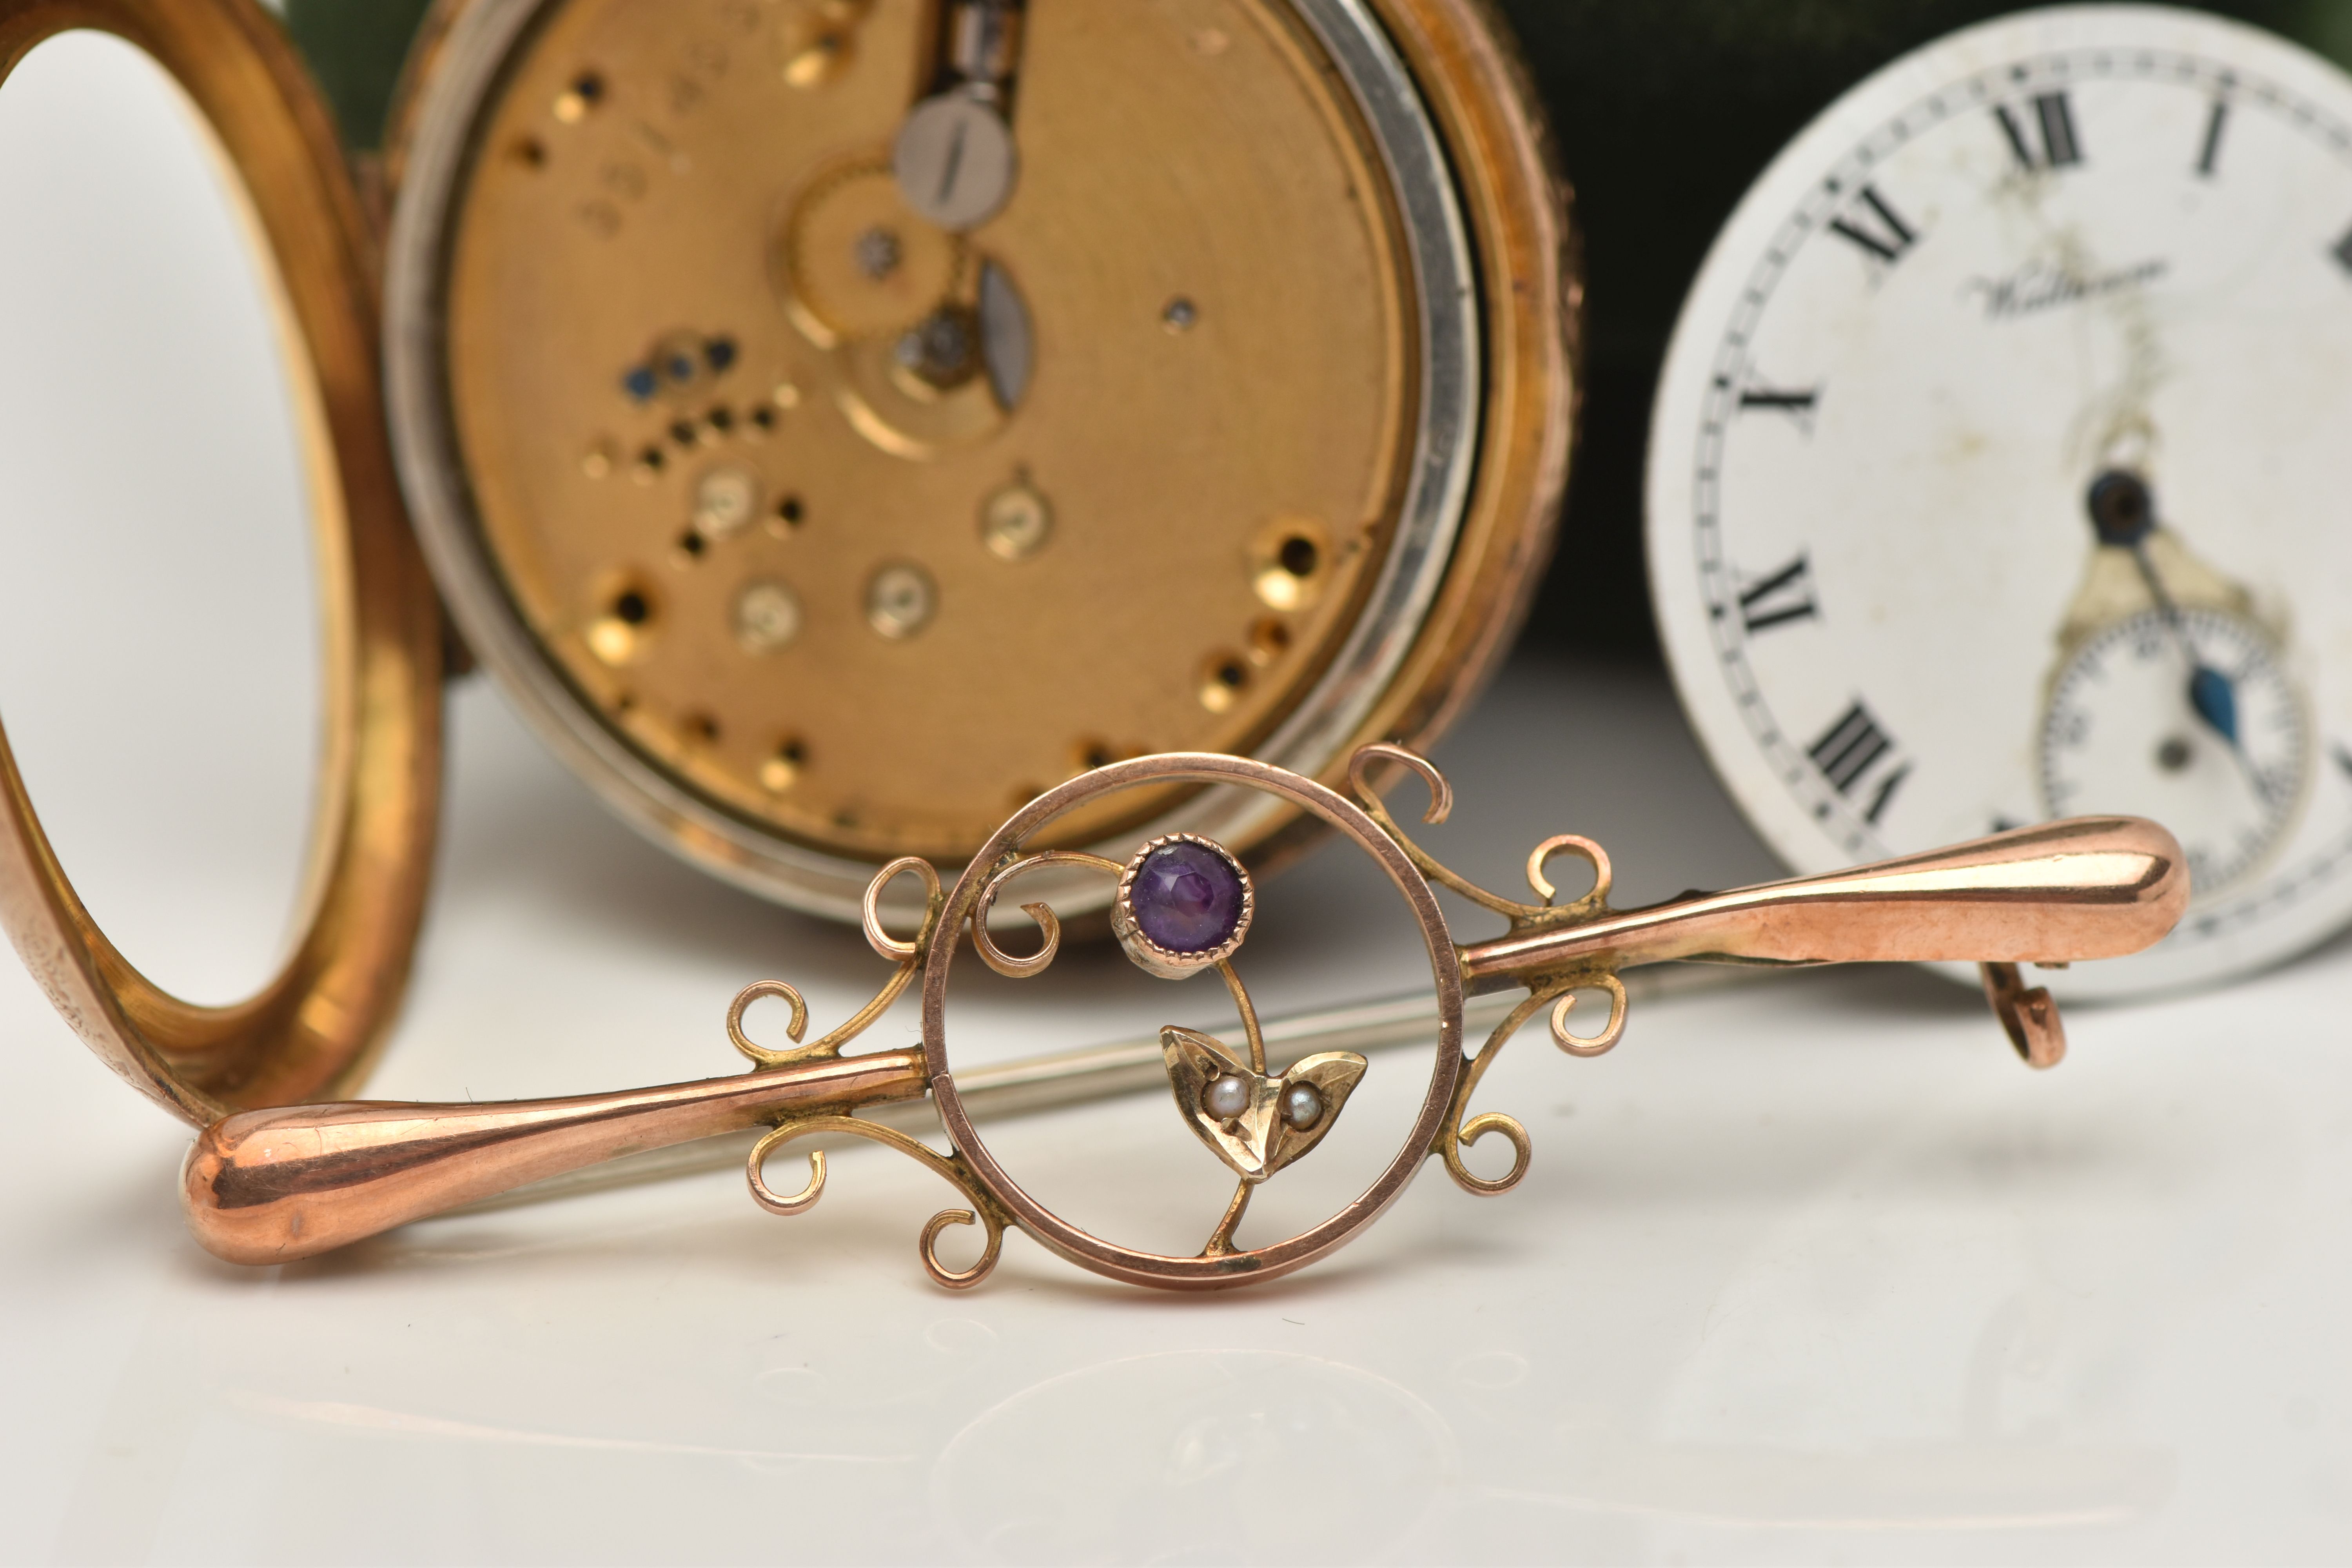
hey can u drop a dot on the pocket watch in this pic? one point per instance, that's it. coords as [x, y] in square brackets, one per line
[837, 421]
[1995, 467]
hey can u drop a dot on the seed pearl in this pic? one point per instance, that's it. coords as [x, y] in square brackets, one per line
[1226, 1097]
[1301, 1106]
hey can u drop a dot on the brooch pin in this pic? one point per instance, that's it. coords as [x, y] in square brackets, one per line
[273, 1185]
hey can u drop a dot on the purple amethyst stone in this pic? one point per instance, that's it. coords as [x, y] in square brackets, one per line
[1186, 898]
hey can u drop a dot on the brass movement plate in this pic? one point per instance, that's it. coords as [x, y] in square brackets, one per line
[815, 534]
[1220, 382]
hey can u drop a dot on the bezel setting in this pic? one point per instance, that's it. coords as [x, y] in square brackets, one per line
[1167, 963]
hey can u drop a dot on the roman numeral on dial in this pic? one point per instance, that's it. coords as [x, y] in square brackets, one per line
[1855, 753]
[2342, 251]
[1880, 232]
[2042, 131]
[2210, 153]
[1785, 596]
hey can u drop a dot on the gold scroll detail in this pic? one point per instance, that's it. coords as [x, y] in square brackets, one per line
[1555, 988]
[908, 956]
[949, 1168]
[1049, 924]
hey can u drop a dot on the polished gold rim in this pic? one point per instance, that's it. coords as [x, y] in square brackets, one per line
[313, 1030]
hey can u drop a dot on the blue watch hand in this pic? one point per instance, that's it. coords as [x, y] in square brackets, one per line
[2215, 698]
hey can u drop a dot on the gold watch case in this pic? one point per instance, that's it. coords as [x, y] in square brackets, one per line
[313, 1030]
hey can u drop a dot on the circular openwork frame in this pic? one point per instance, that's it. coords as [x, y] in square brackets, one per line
[1240, 1265]
[313, 1031]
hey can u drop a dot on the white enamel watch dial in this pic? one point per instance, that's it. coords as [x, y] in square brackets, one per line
[1999, 468]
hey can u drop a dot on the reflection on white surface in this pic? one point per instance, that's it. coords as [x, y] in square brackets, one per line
[1241, 1453]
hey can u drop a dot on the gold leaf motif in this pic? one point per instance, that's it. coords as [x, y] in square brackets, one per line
[1259, 1141]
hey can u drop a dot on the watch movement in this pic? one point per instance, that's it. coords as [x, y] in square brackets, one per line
[837, 423]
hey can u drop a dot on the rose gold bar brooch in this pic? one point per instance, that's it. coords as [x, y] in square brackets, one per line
[271, 1185]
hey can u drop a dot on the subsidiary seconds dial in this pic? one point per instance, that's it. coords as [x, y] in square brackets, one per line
[2117, 737]
[1999, 466]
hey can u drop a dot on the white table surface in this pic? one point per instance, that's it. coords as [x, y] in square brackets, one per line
[1808, 1269]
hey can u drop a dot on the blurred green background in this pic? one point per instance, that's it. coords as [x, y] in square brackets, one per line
[356, 48]
[1666, 110]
